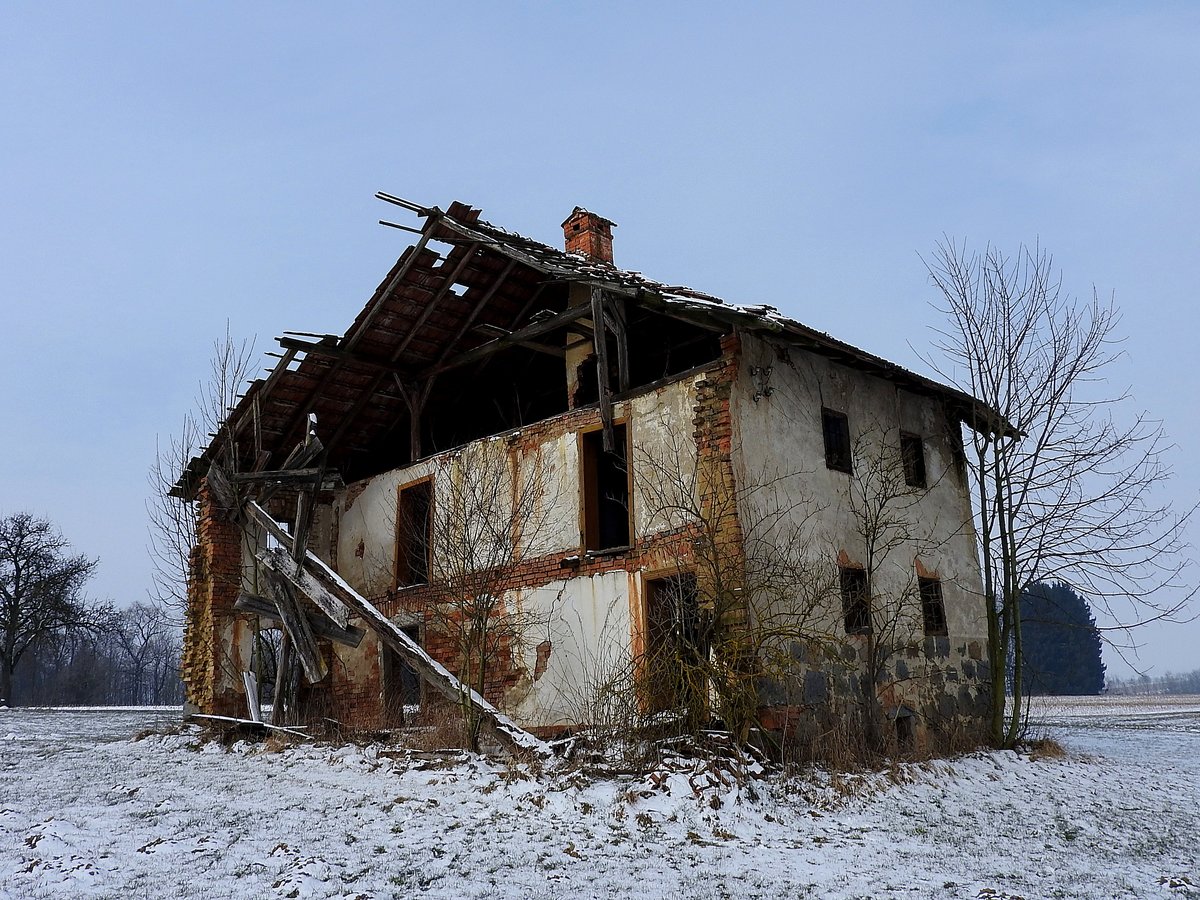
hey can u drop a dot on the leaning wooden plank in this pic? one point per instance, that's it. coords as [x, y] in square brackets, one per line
[514, 738]
[510, 735]
[294, 731]
[301, 524]
[296, 625]
[221, 489]
[324, 574]
[328, 602]
[321, 627]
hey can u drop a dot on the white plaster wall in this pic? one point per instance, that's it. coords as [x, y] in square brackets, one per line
[366, 547]
[663, 448]
[587, 622]
[781, 434]
[557, 515]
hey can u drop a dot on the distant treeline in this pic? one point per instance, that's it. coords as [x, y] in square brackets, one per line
[1185, 683]
[132, 660]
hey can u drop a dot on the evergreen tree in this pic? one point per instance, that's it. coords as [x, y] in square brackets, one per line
[1061, 642]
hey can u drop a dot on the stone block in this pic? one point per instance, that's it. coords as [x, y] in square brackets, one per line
[816, 688]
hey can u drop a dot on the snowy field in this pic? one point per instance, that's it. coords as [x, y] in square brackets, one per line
[87, 812]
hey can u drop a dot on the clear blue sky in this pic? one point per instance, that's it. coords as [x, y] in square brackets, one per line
[167, 167]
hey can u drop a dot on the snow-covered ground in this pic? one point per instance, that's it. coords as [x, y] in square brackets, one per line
[84, 811]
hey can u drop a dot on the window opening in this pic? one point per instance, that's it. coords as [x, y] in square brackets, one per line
[912, 453]
[675, 646]
[401, 688]
[605, 491]
[836, 428]
[856, 601]
[414, 527]
[933, 608]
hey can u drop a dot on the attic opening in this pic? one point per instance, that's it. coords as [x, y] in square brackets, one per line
[528, 382]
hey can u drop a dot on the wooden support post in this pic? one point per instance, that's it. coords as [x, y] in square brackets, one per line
[283, 676]
[617, 323]
[302, 525]
[250, 683]
[601, 348]
[414, 397]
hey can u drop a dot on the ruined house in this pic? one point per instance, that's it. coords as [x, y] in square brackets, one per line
[649, 476]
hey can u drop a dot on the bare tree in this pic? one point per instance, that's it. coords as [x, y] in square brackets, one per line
[148, 648]
[172, 521]
[41, 591]
[1066, 484]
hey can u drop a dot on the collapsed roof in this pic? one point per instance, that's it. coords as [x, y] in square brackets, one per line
[473, 322]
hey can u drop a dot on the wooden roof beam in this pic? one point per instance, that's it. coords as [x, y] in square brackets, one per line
[336, 351]
[537, 329]
[497, 331]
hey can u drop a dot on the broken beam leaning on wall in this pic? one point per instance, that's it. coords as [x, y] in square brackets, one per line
[280, 584]
[280, 561]
[350, 636]
[295, 622]
[510, 735]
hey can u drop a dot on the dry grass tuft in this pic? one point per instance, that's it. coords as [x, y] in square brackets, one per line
[1046, 748]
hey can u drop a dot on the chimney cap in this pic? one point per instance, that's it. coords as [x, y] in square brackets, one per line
[580, 212]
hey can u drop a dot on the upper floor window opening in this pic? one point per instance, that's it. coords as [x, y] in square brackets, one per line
[604, 481]
[836, 429]
[414, 533]
[912, 456]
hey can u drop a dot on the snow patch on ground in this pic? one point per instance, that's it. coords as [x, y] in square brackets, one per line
[84, 811]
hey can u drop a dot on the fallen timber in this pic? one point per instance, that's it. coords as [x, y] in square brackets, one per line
[310, 577]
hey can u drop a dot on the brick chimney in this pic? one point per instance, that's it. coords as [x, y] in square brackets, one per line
[589, 234]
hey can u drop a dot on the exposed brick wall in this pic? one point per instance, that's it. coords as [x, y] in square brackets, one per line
[721, 562]
[214, 579]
